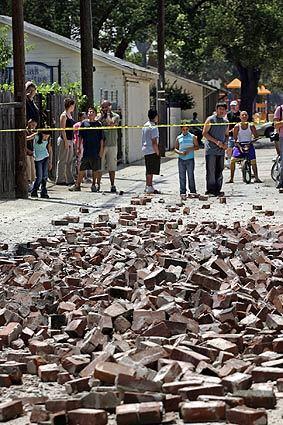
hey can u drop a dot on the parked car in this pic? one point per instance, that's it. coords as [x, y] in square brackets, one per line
[265, 129]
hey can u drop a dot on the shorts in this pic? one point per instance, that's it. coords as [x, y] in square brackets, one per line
[237, 154]
[152, 164]
[90, 163]
[109, 158]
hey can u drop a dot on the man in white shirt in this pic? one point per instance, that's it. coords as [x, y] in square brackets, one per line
[150, 149]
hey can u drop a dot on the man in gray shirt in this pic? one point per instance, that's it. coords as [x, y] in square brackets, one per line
[216, 133]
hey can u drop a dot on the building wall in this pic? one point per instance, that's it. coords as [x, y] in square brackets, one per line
[196, 90]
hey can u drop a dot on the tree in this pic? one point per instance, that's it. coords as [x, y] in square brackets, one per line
[240, 31]
[6, 51]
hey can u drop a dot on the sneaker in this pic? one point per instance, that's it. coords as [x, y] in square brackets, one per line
[34, 194]
[98, 188]
[229, 181]
[94, 188]
[113, 189]
[75, 188]
[44, 195]
[257, 181]
[149, 189]
[183, 197]
[87, 180]
[279, 186]
[220, 194]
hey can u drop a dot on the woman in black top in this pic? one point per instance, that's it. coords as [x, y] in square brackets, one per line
[64, 175]
[32, 111]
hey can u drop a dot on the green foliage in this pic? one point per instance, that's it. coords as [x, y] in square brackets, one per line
[176, 95]
[6, 51]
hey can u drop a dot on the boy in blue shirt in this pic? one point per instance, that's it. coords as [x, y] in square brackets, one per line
[185, 145]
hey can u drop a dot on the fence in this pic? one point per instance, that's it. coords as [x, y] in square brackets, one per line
[7, 148]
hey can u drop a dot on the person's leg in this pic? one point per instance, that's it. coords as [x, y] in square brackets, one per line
[232, 170]
[190, 165]
[43, 193]
[84, 166]
[149, 179]
[255, 171]
[219, 172]
[61, 163]
[210, 174]
[69, 163]
[28, 161]
[182, 176]
[112, 165]
[38, 170]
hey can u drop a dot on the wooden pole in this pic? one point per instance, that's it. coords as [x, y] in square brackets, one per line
[161, 101]
[19, 96]
[86, 50]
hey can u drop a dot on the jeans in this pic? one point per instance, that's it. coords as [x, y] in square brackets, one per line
[64, 173]
[41, 170]
[186, 167]
[281, 161]
[214, 173]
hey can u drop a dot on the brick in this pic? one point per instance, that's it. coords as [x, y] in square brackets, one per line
[39, 414]
[107, 371]
[137, 414]
[62, 405]
[201, 411]
[107, 400]
[131, 383]
[258, 398]
[13, 369]
[87, 416]
[223, 345]
[10, 410]
[205, 281]
[188, 356]
[246, 415]
[265, 374]
[77, 385]
[10, 333]
[237, 381]
[192, 393]
[48, 373]
[5, 381]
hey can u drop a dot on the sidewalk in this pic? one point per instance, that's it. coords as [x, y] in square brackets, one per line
[24, 220]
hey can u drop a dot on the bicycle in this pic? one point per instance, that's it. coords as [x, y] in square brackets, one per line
[276, 169]
[246, 162]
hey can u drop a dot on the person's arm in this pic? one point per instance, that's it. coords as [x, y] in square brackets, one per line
[235, 135]
[205, 133]
[177, 148]
[155, 145]
[63, 120]
[49, 148]
[196, 146]
[254, 132]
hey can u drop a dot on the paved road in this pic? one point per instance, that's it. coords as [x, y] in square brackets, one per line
[23, 220]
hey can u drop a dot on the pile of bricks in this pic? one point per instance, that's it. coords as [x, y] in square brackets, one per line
[145, 320]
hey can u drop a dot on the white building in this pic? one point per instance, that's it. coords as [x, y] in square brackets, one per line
[125, 84]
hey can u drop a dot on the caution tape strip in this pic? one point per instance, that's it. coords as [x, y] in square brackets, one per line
[125, 127]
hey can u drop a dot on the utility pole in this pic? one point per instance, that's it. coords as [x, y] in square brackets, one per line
[161, 101]
[19, 97]
[86, 50]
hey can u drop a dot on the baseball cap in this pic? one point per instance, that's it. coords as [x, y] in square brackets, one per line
[234, 103]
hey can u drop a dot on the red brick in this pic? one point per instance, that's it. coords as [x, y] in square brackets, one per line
[237, 381]
[107, 371]
[39, 414]
[48, 372]
[192, 393]
[201, 411]
[5, 381]
[10, 333]
[77, 385]
[87, 417]
[265, 374]
[139, 413]
[246, 415]
[10, 410]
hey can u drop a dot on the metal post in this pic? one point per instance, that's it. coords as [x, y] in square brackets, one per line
[19, 96]
[86, 50]
[161, 101]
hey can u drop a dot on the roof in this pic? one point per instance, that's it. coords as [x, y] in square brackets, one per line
[76, 47]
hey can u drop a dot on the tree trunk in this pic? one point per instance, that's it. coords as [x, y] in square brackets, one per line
[121, 49]
[249, 82]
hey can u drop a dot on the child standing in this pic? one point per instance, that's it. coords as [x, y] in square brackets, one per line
[43, 162]
[185, 145]
[31, 126]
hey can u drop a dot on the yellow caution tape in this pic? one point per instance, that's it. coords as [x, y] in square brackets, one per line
[125, 127]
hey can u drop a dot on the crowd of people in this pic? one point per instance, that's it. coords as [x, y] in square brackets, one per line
[80, 149]
[226, 135]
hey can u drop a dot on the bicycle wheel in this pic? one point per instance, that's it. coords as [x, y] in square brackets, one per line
[246, 171]
[275, 170]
